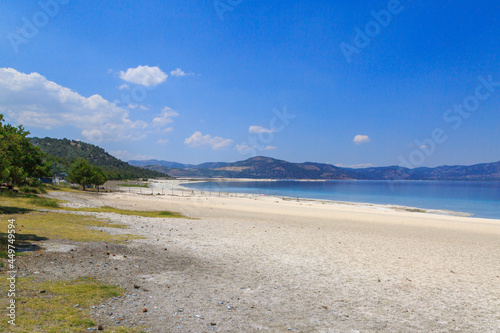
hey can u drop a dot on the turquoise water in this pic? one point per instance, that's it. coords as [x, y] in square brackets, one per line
[480, 199]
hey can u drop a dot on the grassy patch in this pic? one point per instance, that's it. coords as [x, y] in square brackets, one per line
[33, 225]
[133, 185]
[25, 201]
[55, 310]
[154, 214]
[44, 202]
[64, 226]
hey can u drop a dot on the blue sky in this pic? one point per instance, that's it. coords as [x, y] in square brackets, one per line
[197, 81]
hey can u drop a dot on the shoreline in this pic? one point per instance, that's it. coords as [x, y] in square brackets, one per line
[358, 203]
[262, 264]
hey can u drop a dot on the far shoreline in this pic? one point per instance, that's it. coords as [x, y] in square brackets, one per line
[389, 207]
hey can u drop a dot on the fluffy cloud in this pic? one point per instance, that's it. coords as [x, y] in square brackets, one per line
[165, 117]
[34, 101]
[355, 166]
[144, 75]
[245, 147]
[200, 140]
[259, 129]
[360, 139]
[124, 86]
[179, 72]
[126, 156]
[162, 141]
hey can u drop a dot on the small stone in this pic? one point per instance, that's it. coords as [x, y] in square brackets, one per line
[144, 310]
[41, 291]
[213, 324]
[100, 328]
[136, 286]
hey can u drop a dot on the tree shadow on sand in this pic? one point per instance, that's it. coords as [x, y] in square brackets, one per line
[22, 243]
[14, 210]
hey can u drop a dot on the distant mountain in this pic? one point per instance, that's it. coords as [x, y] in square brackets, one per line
[175, 165]
[64, 152]
[268, 168]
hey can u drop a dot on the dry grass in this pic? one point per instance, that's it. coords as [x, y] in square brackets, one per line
[34, 225]
[154, 214]
[62, 307]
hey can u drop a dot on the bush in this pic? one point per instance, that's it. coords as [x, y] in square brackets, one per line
[27, 189]
[44, 202]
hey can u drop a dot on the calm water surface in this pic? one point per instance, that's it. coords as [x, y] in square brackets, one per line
[481, 199]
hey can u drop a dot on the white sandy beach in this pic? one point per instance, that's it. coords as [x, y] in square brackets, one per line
[267, 264]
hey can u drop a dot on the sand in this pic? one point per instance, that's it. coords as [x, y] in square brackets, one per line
[267, 264]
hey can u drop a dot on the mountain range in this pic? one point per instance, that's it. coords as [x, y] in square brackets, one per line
[268, 168]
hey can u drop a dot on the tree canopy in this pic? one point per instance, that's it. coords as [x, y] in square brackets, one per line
[83, 173]
[20, 161]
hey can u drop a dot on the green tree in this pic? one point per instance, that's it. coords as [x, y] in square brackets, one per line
[20, 161]
[83, 173]
[98, 178]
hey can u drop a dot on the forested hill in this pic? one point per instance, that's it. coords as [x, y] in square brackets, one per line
[64, 152]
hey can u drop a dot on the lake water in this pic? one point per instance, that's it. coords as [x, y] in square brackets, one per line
[480, 199]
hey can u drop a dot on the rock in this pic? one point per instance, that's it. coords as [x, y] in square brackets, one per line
[213, 324]
[136, 286]
[100, 328]
[144, 310]
[41, 291]
[180, 310]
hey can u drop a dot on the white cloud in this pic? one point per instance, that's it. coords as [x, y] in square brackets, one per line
[200, 140]
[165, 117]
[355, 166]
[360, 139]
[180, 72]
[144, 75]
[126, 156]
[162, 141]
[34, 101]
[168, 130]
[124, 86]
[259, 129]
[244, 147]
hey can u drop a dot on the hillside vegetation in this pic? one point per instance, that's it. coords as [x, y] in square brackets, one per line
[63, 152]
